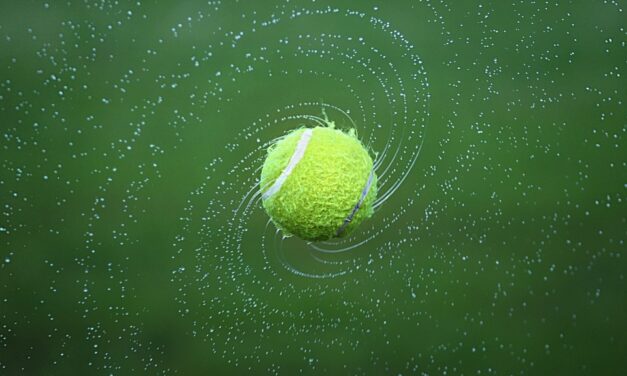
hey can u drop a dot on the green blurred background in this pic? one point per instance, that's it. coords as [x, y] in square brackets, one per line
[132, 131]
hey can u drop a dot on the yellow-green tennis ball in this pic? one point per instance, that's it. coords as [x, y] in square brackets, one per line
[318, 183]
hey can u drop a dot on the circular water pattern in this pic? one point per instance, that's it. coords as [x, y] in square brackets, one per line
[134, 241]
[384, 96]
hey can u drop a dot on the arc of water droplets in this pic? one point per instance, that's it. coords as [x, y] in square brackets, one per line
[392, 85]
[387, 194]
[379, 162]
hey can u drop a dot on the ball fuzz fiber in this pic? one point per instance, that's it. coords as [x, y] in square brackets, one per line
[318, 183]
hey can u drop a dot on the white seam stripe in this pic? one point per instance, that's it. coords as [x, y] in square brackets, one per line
[296, 157]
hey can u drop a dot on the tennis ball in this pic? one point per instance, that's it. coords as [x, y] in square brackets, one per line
[318, 183]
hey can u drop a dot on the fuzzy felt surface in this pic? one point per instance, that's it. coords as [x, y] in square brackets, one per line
[324, 187]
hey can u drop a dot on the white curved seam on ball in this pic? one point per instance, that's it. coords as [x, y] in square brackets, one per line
[301, 146]
[364, 193]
